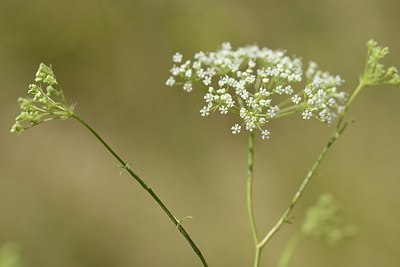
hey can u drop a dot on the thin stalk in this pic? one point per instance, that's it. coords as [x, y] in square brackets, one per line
[339, 129]
[145, 187]
[250, 208]
[257, 256]
[285, 217]
[360, 86]
[353, 96]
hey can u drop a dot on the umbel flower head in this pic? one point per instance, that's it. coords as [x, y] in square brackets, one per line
[46, 102]
[259, 85]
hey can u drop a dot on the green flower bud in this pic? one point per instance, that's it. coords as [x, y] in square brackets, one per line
[42, 105]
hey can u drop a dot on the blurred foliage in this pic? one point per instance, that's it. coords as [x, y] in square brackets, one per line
[10, 255]
[61, 197]
[324, 222]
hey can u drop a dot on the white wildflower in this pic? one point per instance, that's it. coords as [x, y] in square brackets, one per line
[188, 87]
[236, 128]
[196, 65]
[229, 101]
[205, 111]
[273, 111]
[170, 81]
[223, 109]
[307, 114]
[175, 71]
[252, 63]
[209, 97]
[265, 134]
[243, 113]
[296, 99]
[265, 80]
[177, 57]
[265, 102]
[262, 120]
[188, 73]
[207, 80]
[223, 81]
[288, 90]
[265, 92]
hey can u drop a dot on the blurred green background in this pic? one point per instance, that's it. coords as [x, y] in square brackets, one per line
[61, 197]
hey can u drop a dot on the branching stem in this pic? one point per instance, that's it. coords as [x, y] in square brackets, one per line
[339, 129]
[286, 215]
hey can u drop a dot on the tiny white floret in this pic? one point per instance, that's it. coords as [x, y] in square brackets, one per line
[265, 134]
[170, 81]
[177, 57]
[236, 128]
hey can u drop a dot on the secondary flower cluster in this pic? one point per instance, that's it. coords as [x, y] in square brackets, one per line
[323, 221]
[46, 102]
[375, 72]
[258, 84]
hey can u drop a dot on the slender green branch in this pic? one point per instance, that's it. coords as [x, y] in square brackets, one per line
[250, 166]
[257, 256]
[145, 187]
[340, 127]
[360, 86]
[250, 208]
[286, 215]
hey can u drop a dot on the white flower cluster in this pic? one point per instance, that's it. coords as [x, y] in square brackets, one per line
[258, 84]
[321, 96]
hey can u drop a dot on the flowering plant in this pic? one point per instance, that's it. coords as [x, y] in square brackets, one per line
[257, 84]
[260, 85]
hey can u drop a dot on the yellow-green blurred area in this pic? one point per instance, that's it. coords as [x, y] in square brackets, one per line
[63, 202]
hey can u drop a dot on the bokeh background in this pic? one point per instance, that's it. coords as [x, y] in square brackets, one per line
[62, 200]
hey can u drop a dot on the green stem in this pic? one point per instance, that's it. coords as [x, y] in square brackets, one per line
[340, 127]
[286, 215]
[250, 209]
[257, 256]
[290, 248]
[360, 86]
[147, 188]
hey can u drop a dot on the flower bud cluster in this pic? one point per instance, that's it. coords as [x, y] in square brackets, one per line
[375, 72]
[43, 104]
[258, 84]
